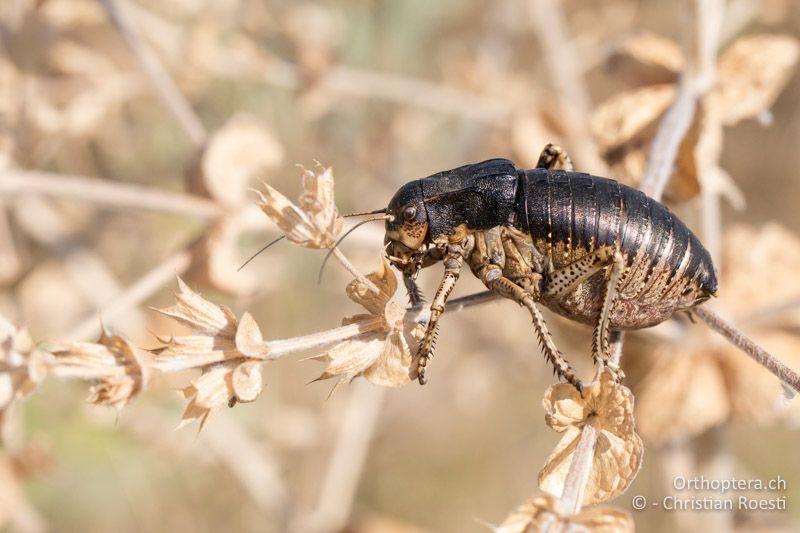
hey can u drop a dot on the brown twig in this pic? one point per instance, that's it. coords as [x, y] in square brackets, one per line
[741, 341]
[703, 23]
[566, 74]
[158, 76]
[132, 296]
[349, 454]
[105, 193]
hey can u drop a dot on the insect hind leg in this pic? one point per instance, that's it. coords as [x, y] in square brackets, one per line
[566, 279]
[601, 347]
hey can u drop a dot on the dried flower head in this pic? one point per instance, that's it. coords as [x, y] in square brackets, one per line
[235, 154]
[22, 365]
[315, 223]
[226, 350]
[381, 355]
[608, 407]
[750, 75]
[703, 379]
[544, 513]
[110, 363]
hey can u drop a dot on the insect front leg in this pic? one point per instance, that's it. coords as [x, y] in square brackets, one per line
[553, 157]
[415, 297]
[453, 259]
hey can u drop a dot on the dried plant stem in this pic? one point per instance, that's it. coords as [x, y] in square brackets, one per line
[158, 76]
[703, 26]
[422, 94]
[106, 193]
[580, 468]
[152, 281]
[741, 341]
[566, 74]
[353, 270]
[349, 454]
[280, 348]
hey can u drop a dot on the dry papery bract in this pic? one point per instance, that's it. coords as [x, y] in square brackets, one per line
[22, 365]
[751, 73]
[229, 352]
[315, 222]
[228, 375]
[111, 364]
[544, 513]
[617, 454]
[699, 380]
[243, 149]
[382, 355]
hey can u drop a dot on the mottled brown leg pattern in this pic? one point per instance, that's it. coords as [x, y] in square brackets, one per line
[565, 279]
[508, 289]
[553, 157]
[601, 348]
[453, 260]
[491, 275]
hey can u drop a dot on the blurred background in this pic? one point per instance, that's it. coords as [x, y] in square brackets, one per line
[130, 129]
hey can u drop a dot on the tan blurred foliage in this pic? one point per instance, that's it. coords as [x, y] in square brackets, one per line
[131, 132]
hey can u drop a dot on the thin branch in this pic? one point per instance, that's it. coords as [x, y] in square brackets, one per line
[339, 255]
[106, 193]
[347, 462]
[759, 354]
[703, 23]
[566, 74]
[154, 280]
[159, 78]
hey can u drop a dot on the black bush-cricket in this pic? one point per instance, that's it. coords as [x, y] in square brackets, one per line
[589, 248]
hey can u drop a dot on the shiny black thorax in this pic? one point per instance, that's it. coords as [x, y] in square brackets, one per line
[479, 196]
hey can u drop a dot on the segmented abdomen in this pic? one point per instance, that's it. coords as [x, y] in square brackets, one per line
[569, 214]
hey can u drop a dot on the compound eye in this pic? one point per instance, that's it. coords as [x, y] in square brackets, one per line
[409, 212]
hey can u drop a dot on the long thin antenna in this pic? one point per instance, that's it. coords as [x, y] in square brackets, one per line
[258, 252]
[348, 232]
[363, 213]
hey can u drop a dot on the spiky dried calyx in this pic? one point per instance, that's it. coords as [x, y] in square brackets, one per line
[315, 222]
[111, 364]
[383, 356]
[227, 351]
